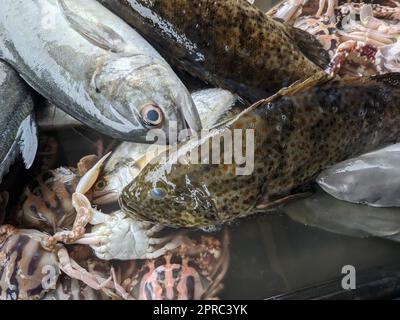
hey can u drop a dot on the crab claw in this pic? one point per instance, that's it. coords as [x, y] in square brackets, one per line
[123, 238]
[388, 58]
[89, 179]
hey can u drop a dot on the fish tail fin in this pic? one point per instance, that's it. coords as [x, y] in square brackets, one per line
[310, 47]
[28, 140]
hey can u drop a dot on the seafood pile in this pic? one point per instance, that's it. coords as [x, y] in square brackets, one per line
[361, 38]
[152, 89]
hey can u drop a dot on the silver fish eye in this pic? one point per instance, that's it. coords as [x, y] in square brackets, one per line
[158, 193]
[152, 114]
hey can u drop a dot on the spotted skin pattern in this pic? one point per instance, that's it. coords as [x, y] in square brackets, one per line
[229, 44]
[296, 137]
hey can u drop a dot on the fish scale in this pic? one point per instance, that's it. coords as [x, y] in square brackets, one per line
[229, 44]
[89, 63]
[296, 137]
[18, 128]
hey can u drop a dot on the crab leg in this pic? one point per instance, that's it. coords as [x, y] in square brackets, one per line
[332, 4]
[118, 288]
[83, 207]
[83, 217]
[157, 253]
[89, 179]
[153, 230]
[320, 8]
[67, 266]
[221, 268]
[359, 36]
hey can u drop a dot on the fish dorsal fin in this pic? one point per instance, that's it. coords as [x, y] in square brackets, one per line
[28, 140]
[391, 79]
[96, 33]
[310, 47]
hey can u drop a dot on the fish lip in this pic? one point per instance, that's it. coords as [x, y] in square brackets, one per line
[105, 197]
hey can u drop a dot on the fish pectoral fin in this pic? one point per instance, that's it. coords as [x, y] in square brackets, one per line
[96, 33]
[28, 140]
[310, 47]
[265, 204]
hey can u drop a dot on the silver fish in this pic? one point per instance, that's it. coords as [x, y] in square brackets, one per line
[355, 220]
[91, 64]
[128, 159]
[49, 117]
[372, 179]
[215, 105]
[18, 132]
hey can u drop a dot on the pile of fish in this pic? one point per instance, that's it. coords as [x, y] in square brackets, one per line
[134, 219]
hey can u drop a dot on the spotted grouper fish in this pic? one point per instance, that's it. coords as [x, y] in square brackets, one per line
[297, 134]
[229, 44]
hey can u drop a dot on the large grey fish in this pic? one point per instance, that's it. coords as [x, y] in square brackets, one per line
[18, 133]
[49, 117]
[372, 179]
[94, 66]
[229, 44]
[289, 139]
[327, 213]
[129, 158]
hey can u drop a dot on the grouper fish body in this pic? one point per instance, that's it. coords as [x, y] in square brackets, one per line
[296, 136]
[229, 44]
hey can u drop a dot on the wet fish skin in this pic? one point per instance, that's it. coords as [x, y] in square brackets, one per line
[355, 220]
[296, 137]
[91, 64]
[372, 179]
[18, 133]
[128, 159]
[213, 105]
[229, 44]
[49, 117]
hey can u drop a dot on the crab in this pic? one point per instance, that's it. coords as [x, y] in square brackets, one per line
[115, 235]
[29, 268]
[357, 47]
[68, 288]
[46, 202]
[49, 152]
[192, 272]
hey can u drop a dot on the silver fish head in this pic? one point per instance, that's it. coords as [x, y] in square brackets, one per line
[143, 93]
[113, 180]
